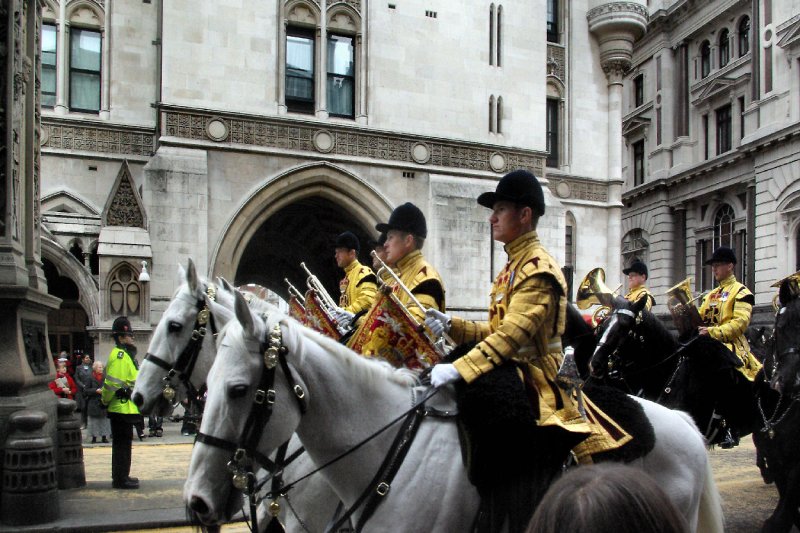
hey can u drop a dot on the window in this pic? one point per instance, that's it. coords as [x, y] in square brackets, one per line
[744, 36]
[299, 70]
[552, 132]
[638, 90]
[491, 114]
[705, 136]
[499, 35]
[341, 80]
[741, 117]
[635, 246]
[723, 226]
[723, 129]
[48, 65]
[491, 34]
[499, 114]
[797, 250]
[84, 70]
[705, 59]
[124, 292]
[638, 163]
[724, 48]
[552, 21]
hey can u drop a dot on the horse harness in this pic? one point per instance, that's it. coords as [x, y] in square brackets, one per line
[245, 450]
[184, 366]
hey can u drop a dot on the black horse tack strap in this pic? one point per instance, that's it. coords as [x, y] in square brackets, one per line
[381, 483]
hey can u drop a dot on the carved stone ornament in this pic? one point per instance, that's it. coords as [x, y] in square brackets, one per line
[34, 339]
[62, 134]
[217, 130]
[125, 206]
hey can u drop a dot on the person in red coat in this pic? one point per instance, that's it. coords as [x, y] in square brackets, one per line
[63, 386]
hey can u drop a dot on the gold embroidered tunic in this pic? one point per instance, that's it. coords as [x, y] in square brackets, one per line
[726, 312]
[358, 288]
[423, 281]
[633, 295]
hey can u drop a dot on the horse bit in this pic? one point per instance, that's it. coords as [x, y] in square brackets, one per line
[184, 365]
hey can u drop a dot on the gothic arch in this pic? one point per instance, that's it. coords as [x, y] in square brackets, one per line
[330, 182]
[68, 266]
[302, 12]
[343, 18]
[85, 13]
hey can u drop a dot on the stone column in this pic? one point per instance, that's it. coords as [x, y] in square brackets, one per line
[25, 362]
[616, 25]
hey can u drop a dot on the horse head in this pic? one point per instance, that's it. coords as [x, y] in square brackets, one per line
[179, 355]
[250, 410]
[614, 331]
[786, 363]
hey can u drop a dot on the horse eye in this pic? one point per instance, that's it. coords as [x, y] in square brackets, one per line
[175, 327]
[237, 391]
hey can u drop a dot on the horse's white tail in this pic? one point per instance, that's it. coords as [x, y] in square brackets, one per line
[709, 516]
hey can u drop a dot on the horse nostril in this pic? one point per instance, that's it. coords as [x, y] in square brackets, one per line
[197, 505]
[137, 399]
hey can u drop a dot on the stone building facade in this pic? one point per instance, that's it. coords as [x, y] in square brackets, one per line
[711, 134]
[246, 136]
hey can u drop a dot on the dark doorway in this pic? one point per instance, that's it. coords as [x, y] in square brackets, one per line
[66, 325]
[301, 232]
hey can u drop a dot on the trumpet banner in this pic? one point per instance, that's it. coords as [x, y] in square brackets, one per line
[388, 332]
[296, 310]
[316, 317]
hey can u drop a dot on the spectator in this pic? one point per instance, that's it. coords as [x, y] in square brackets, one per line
[82, 374]
[63, 386]
[606, 498]
[98, 424]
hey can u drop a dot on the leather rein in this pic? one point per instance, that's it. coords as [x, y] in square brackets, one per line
[184, 365]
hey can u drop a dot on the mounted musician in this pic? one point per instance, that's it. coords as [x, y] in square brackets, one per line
[359, 286]
[522, 339]
[726, 313]
[637, 277]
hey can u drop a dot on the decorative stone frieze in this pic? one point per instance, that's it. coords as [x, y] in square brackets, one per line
[576, 189]
[66, 135]
[351, 141]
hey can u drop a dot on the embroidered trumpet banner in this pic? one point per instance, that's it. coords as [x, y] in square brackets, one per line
[316, 317]
[296, 310]
[388, 332]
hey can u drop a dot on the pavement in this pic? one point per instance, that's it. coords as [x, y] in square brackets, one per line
[161, 464]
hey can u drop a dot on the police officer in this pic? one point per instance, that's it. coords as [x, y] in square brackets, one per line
[527, 316]
[637, 276]
[726, 313]
[120, 378]
[405, 236]
[358, 288]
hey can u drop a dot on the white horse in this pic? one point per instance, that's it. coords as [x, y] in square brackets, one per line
[349, 398]
[315, 502]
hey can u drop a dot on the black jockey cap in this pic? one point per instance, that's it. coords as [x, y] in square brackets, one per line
[379, 242]
[637, 266]
[518, 186]
[723, 254]
[121, 326]
[348, 240]
[408, 218]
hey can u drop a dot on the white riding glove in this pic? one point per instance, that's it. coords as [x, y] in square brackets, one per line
[343, 317]
[444, 373]
[439, 323]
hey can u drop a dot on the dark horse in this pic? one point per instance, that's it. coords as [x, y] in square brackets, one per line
[637, 353]
[779, 413]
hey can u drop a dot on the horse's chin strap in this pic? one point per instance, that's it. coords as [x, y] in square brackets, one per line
[184, 365]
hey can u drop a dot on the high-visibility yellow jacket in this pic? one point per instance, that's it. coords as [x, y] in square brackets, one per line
[121, 371]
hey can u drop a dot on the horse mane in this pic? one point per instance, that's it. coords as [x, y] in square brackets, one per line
[371, 371]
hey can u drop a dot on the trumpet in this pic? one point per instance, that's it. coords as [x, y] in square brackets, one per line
[294, 293]
[448, 342]
[327, 304]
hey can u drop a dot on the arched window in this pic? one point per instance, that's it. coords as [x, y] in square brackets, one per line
[635, 245]
[744, 36]
[723, 226]
[77, 251]
[724, 48]
[705, 59]
[491, 114]
[499, 114]
[124, 293]
[94, 260]
[797, 250]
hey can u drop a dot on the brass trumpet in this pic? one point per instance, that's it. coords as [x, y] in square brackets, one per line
[448, 342]
[293, 292]
[327, 304]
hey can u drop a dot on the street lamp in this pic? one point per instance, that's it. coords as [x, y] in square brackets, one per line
[144, 277]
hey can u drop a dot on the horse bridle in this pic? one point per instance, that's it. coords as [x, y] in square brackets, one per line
[245, 452]
[630, 335]
[184, 365]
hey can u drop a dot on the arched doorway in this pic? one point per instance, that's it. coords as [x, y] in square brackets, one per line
[66, 325]
[295, 217]
[304, 231]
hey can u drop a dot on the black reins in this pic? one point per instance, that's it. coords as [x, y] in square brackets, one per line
[771, 422]
[184, 365]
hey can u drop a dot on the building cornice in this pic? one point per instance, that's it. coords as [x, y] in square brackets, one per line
[335, 140]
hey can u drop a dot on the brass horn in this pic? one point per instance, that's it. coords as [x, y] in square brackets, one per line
[590, 289]
[794, 288]
[680, 303]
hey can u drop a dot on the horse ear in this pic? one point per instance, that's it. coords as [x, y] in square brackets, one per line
[785, 293]
[225, 283]
[243, 313]
[191, 276]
